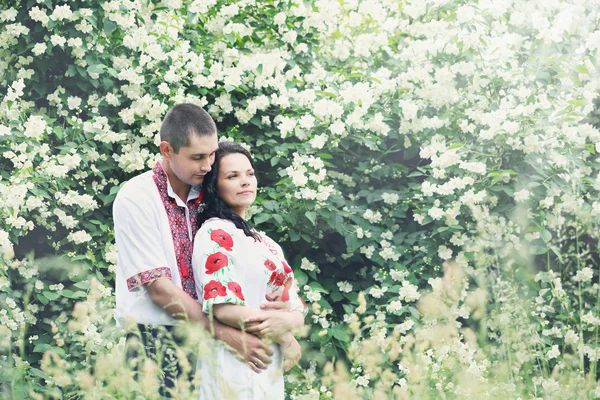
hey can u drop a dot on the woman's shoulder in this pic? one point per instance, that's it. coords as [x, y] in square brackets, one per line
[218, 223]
[273, 246]
[215, 221]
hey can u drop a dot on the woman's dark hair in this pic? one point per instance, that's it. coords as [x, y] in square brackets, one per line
[214, 206]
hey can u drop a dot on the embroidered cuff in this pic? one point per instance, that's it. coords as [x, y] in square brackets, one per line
[207, 305]
[148, 276]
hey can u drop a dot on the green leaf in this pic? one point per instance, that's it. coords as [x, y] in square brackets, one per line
[545, 235]
[339, 334]
[537, 250]
[582, 69]
[44, 347]
[96, 69]
[50, 295]
[312, 216]
[260, 218]
[336, 296]
[109, 26]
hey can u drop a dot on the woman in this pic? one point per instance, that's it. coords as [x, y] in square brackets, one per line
[235, 267]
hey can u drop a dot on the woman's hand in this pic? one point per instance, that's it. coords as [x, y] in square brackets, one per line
[270, 324]
[275, 302]
[291, 350]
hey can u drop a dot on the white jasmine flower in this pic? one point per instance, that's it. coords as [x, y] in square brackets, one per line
[307, 265]
[584, 275]
[35, 126]
[395, 305]
[61, 12]
[79, 237]
[406, 326]
[444, 253]
[367, 251]
[436, 213]
[571, 337]
[409, 292]
[388, 253]
[313, 296]
[398, 275]
[362, 380]
[553, 353]
[372, 217]
[57, 40]
[318, 142]
[4, 130]
[38, 15]
[345, 286]
[522, 195]
[387, 235]
[39, 48]
[377, 292]
[73, 102]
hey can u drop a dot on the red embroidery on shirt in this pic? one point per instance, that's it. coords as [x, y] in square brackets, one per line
[148, 276]
[179, 229]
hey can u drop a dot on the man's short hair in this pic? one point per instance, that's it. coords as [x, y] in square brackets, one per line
[185, 120]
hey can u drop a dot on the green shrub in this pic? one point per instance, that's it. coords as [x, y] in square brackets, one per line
[391, 137]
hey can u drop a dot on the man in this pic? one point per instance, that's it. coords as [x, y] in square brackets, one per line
[155, 223]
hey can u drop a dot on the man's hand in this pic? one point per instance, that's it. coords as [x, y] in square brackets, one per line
[275, 302]
[248, 347]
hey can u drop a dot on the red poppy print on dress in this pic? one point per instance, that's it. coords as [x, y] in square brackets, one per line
[285, 296]
[215, 262]
[270, 265]
[288, 282]
[277, 279]
[222, 238]
[236, 289]
[286, 268]
[213, 289]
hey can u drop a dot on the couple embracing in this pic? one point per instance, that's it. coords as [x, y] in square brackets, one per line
[187, 253]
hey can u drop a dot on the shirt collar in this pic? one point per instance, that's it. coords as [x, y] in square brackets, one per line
[160, 172]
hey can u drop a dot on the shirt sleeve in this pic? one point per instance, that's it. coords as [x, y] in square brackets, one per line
[214, 262]
[141, 258]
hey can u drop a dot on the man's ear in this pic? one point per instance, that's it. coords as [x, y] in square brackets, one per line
[166, 150]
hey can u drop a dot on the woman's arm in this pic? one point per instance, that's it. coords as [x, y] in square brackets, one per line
[272, 324]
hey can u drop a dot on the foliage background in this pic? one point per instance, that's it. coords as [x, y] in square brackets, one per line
[391, 137]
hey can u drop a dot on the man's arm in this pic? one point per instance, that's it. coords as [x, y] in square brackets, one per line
[179, 305]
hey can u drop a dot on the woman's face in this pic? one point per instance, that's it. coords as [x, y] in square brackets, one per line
[236, 182]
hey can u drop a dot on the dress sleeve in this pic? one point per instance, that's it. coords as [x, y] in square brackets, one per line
[279, 280]
[214, 262]
[296, 302]
[141, 258]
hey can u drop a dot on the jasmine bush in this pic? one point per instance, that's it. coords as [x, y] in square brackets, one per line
[428, 166]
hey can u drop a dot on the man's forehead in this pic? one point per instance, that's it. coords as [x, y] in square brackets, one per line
[202, 145]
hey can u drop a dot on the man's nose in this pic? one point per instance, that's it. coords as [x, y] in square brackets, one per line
[206, 167]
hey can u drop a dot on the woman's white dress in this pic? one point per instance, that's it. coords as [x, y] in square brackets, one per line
[230, 267]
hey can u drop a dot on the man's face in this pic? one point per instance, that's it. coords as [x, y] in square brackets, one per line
[194, 161]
